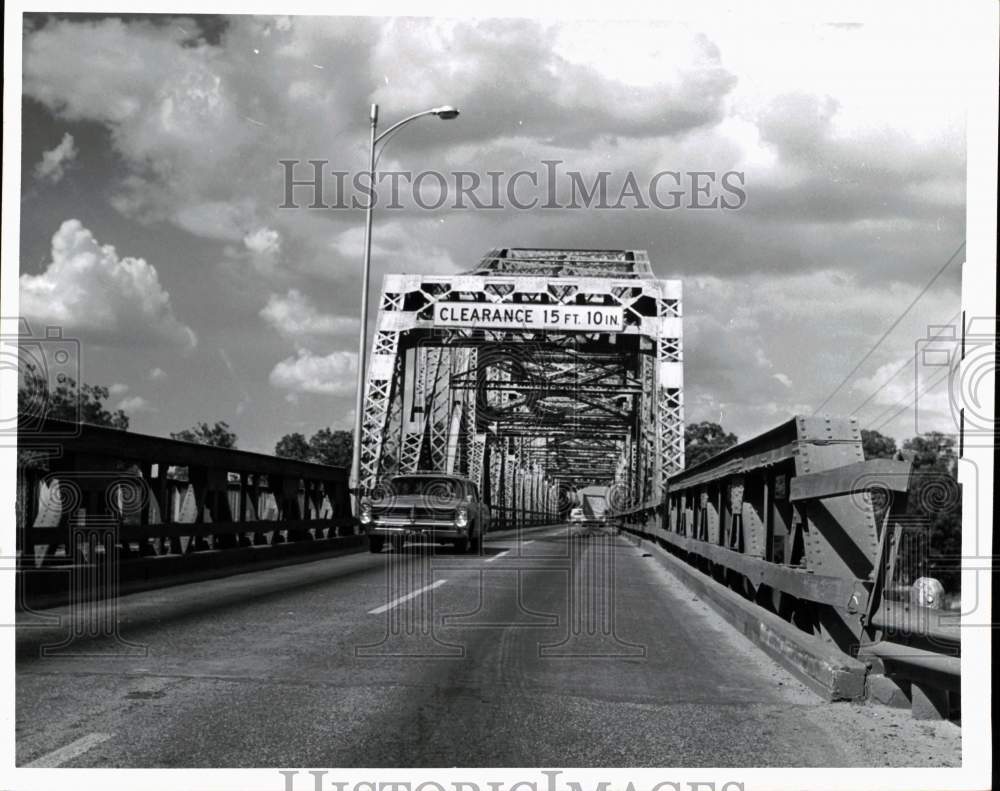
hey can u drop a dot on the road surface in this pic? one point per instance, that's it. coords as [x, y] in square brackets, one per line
[562, 647]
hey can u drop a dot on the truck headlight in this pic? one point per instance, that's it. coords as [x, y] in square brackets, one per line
[462, 517]
[366, 513]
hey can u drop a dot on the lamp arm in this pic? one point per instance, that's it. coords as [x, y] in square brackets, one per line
[398, 124]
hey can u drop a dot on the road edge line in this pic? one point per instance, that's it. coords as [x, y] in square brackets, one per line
[67, 752]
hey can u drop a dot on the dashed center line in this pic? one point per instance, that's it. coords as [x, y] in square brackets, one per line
[69, 752]
[497, 557]
[407, 597]
[525, 543]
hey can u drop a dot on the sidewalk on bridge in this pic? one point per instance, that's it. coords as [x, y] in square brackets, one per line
[822, 667]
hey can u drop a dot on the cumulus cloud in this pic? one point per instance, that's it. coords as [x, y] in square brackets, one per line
[306, 372]
[909, 395]
[226, 220]
[543, 74]
[819, 145]
[294, 315]
[856, 193]
[89, 290]
[156, 374]
[263, 241]
[739, 350]
[52, 166]
[135, 404]
[118, 388]
[403, 246]
[178, 116]
[262, 247]
[202, 125]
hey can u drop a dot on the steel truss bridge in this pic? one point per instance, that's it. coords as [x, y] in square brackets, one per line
[526, 403]
[538, 374]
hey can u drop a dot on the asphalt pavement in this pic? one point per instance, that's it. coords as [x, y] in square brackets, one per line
[563, 646]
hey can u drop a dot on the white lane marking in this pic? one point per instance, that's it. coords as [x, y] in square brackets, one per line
[497, 557]
[407, 597]
[69, 752]
[525, 543]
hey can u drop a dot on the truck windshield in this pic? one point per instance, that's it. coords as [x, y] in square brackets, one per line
[426, 485]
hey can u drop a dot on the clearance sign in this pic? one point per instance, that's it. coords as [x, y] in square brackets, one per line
[587, 318]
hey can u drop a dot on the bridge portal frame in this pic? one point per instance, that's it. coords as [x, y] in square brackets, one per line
[414, 376]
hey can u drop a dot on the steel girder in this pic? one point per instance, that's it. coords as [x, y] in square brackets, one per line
[526, 410]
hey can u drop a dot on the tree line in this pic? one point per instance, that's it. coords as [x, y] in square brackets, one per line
[86, 403]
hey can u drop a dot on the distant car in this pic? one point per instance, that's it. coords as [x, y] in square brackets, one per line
[576, 516]
[429, 505]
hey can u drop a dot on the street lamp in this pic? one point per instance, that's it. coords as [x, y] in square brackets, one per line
[445, 113]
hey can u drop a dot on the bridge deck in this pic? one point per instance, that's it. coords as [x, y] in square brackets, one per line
[322, 664]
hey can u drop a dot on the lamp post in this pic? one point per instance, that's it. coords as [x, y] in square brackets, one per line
[445, 113]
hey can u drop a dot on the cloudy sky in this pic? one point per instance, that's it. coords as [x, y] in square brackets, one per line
[151, 185]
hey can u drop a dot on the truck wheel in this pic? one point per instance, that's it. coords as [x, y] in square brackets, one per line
[476, 546]
[462, 545]
[375, 544]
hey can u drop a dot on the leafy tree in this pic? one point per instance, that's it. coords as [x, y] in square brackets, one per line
[877, 446]
[69, 401]
[293, 446]
[935, 497]
[933, 451]
[703, 440]
[332, 447]
[218, 435]
[326, 446]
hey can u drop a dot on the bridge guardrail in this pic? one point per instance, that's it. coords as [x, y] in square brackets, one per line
[798, 522]
[146, 494]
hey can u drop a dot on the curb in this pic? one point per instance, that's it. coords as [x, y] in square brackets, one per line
[823, 668]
